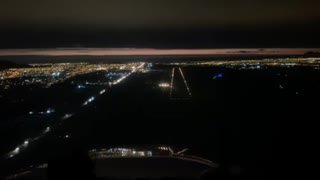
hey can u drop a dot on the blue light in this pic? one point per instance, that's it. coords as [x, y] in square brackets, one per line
[220, 75]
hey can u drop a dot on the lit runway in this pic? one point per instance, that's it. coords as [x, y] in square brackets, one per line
[171, 84]
[185, 84]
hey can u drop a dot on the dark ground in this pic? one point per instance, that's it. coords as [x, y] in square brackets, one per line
[243, 121]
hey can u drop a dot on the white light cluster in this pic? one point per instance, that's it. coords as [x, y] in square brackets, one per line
[89, 101]
[102, 91]
[25, 144]
[164, 85]
[164, 148]
[66, 116]
[48, 111]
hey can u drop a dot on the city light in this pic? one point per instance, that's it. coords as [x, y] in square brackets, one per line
[103, 91]
[49, 111]
[66, 116]
[48, 74]
[258, 64]
[89, 101]
[16, 150]
[26, 143]
[164, 85]
[280, 86]
[46, 130]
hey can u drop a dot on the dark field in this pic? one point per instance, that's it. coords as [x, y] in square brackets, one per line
[254, 121]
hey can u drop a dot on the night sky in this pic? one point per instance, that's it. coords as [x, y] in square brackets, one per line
[159, 23]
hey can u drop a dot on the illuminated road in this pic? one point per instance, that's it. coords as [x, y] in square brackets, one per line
[23, 146]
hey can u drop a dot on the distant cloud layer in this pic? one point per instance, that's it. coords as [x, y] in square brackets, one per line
[115, 52]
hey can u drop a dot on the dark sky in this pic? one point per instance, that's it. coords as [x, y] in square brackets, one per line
[160, 23]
